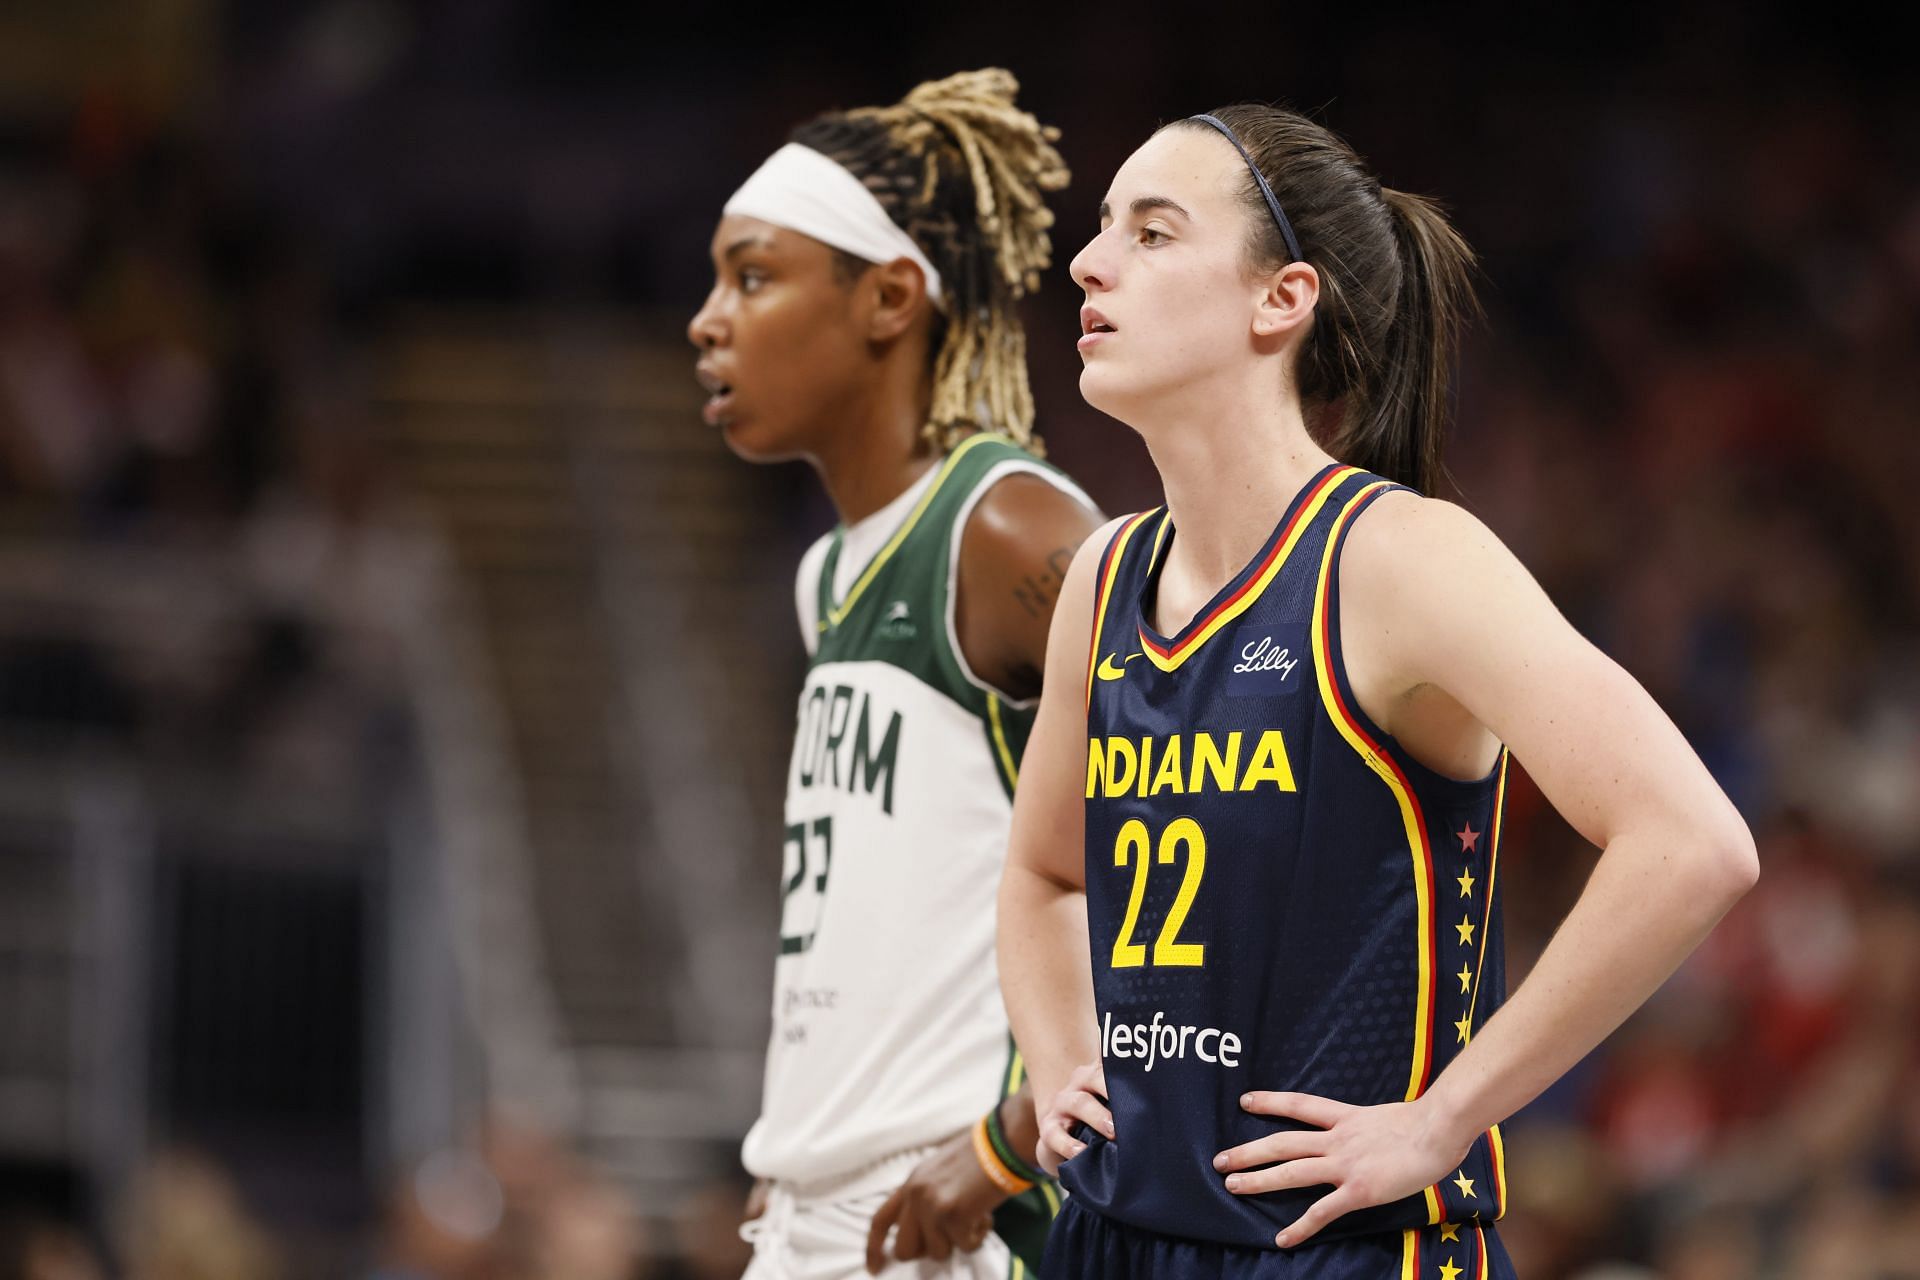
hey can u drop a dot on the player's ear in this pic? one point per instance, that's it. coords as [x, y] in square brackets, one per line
[900, 291]
[1286, 300]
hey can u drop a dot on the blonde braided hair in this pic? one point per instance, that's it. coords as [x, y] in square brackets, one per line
[961, 169]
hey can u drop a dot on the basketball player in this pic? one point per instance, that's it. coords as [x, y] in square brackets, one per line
[1272, 751]
[863, 318]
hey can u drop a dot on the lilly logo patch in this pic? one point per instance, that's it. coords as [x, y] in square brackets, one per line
[1265, 664]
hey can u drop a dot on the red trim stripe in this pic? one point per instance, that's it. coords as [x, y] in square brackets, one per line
[1197, 627]
[1420, 822]
[1493, 875]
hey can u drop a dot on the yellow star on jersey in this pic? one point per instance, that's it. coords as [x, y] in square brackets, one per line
[1466, 884]
[1466, 978]
[1448, 1271]
[1465, 1184]
[1466, 931]
[1463, 1026]
[1450, 1231]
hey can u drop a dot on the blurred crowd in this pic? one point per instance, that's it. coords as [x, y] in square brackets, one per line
[1691, 411]
[517, 1205]
[1697, 428]
[177, 402]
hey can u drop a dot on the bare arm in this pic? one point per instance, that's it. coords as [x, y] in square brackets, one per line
[1469, 619]
[1435, 609]
[1014, 555]
[1045, 975]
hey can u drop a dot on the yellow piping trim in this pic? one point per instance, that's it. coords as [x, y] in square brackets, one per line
[1000, 741]
[1302, 521]
[1323, 668]
[838, 613]
[1106, 595]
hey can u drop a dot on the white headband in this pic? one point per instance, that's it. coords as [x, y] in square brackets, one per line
[802, 190]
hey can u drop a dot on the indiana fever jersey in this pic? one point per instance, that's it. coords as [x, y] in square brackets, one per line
[1279, 897]
[888, 1030]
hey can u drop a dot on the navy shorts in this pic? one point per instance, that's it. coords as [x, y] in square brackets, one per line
[1086, 1246]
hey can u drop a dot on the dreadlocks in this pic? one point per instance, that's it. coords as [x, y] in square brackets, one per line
[960, 168]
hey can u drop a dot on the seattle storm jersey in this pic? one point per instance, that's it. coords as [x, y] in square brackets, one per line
[1279, 896]
[888, 1031]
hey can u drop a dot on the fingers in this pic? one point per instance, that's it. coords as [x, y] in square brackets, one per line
[934, 1241]
[1057, 1143]
[1283, 1177]
[906, 1245]
[1308, 1107]
[1084, 1099]
[877, 1233]
[1082, 1105]
[1291, 1145]
[1057, 1146]
[921, 1231]
[1318, 1215]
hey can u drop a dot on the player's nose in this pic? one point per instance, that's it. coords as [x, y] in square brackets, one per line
[706, 329]
[1092, 268]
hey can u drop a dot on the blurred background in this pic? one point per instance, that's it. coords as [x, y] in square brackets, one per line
[396, 677]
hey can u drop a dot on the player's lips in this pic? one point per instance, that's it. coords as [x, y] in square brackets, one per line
[720, 394]
[1094, 328]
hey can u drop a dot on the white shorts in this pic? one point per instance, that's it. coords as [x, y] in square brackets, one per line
[819, 1232]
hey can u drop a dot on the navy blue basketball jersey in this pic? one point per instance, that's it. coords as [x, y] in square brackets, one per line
[1279, 896]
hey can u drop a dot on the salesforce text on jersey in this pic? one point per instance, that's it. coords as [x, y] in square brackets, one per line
[1160, 1040]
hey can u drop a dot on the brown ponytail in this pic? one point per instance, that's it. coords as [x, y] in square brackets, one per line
[1395, 287]
[1398, 431]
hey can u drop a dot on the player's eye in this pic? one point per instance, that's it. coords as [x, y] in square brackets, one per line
[1153, 236]
[751, 279]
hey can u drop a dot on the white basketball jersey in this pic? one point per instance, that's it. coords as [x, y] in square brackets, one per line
[888, 1028]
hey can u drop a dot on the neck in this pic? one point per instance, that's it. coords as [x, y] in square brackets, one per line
[873, 449]
[1229, 468]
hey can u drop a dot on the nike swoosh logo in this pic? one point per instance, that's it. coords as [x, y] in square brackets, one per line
[1107, 671]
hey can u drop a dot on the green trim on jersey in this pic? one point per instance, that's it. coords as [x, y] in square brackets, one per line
[1022, 1222]
[896, 611]
[1007, 727]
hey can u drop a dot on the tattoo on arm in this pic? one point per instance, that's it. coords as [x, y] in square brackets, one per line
[1038, 591]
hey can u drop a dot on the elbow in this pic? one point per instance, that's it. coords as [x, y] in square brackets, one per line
[1733, 859]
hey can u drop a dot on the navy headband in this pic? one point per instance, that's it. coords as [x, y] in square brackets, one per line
[1273, 203]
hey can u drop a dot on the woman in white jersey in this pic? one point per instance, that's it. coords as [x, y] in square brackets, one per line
[1264, 313]
[863, 318]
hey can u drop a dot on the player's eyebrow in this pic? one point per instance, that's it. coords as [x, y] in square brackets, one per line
[752, 240]
[1147, 204]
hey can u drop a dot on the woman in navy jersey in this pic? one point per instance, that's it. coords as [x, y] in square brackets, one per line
[1263, 791]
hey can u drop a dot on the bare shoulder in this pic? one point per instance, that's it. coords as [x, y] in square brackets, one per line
[1406, 525]
[1020, 541]
[1430, 594]
[1414, 547]
[1015, 554]
[1075, 615]
[1086, 562]
[1025, 520]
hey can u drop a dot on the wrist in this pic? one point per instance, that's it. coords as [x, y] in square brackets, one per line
[1448, 1119]
[1017, 1127]
[997, 1157]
